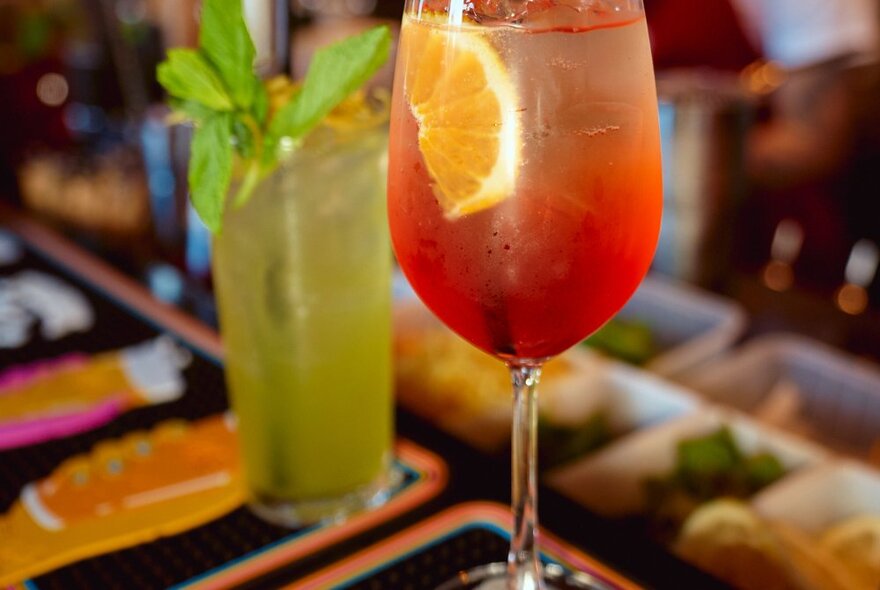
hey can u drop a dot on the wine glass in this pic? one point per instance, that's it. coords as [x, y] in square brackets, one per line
[524, 190]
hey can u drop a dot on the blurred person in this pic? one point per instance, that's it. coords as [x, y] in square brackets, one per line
[699, 34]
[816, 43]
[809, 160]
[815, 138]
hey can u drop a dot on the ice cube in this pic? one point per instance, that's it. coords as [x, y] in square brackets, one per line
[534, 12]
[512, 11]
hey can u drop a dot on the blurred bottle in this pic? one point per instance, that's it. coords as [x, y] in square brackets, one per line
[704, 118]
[861, 268]
[698, 49]
[269, 24]
[778, 273]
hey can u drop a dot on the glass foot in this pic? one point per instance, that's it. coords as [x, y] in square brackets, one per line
[298, 514]
[494, 577]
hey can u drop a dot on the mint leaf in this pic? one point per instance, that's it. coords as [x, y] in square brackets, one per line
[188, 76]
[260, 107]
[195, 111]
[225, 39]
[210, 168]
[335, 72]
[244, 139]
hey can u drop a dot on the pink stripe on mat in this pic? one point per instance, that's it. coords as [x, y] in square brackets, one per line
[29, 432]
[17, 376]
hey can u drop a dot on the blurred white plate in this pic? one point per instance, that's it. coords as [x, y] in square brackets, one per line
[612, 481]
[832, 397]
[815, 499]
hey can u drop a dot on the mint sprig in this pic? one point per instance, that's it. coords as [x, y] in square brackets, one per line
[335, 72]
[216, 88]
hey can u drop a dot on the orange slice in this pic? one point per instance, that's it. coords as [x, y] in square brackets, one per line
[465, 103]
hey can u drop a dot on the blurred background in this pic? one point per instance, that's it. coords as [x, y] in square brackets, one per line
[769, 118]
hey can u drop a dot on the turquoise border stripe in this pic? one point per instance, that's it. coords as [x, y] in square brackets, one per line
[485, 525]
[411, 477]
[245, 557]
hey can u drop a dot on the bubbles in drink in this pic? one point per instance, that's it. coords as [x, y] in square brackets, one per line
[597, 131]
[564, 64]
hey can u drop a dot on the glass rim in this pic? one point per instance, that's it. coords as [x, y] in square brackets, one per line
[457, 10]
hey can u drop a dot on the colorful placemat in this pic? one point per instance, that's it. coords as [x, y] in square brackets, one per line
[424, 474]
[226, 551]
[435, 550]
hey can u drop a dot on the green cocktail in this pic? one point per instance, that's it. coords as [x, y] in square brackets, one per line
[290, 177]
[302, 276]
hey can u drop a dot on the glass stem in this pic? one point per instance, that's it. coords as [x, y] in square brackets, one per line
[524, 571]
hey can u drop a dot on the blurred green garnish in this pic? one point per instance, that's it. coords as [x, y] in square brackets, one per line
[629, 341]
[706, 468]
[560, 444]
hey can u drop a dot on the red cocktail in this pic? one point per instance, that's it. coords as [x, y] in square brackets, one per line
[524, 190]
